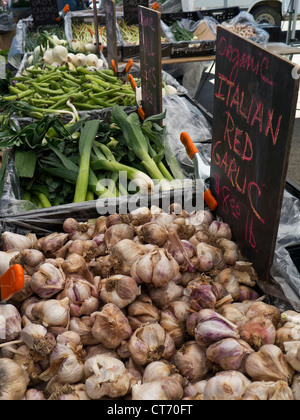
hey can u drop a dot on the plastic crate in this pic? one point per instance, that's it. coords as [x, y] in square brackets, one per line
[294, 251]
[221, 15]
[133, 51]
[192, 48]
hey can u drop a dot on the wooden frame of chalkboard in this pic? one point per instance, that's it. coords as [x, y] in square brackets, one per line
[150, 60]
[44, 12]
[111, 31]
[254, 108]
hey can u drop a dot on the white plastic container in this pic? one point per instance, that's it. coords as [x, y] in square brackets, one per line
[188, 5]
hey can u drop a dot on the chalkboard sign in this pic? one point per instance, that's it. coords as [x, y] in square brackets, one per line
[112, 44]
[150, 60]
[130, 10]
[44, 12]
[254, 107]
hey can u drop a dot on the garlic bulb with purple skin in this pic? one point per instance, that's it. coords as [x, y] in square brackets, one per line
[159, 390]
[269, 364]
[229, 354]
[117, 233]
[201, 219]
[106, 377]
[14, 242]
[76, 264]
[49, 244]
[173, 320]
[209, 257]
[204, 295]
[157, 268]
[198, 237]
[160, 369]
[149, 343]
[257, 331]
[29, 259]
[23, 294]
[78, 230]
[220, 230]
[191, 361]
[10, 323]
[37, 338]
[230, 282]
[141, 311]
[82, 294]
[289, 332]
[140, 216]
[110, 326]
[292, 354]
[175, 247]
[212, 327]
[83, 327]
[89, 249]
[47, 281]
[226, 386]
[152, 233]
[246, 293]
[120, 290]
[14, 380]
[263, 309]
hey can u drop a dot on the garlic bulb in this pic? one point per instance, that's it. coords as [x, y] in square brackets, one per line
[29, 362]
[15, 242]
[194, 390]
[191, 361]
[34, 395]
[124, 254]
[257, 331]
[30, 259]
[152, 233]
[52, 312]
[269, 391]
[78, 230]
[82, 294]
[5, 258]
[47, 281]
[118, 289]
[36, 337]
[13, 380]
[157, 267]
[83, 327]
[175, 247]
[230, 282]
[110, 326]
[160, 369]
[173, 320]
[165, 295]
[204, 295]
[163, 389]
[116, 233]
[68, 392]
[230, 250]
[232, 312]
[265, 310]
[269, 364]
[140, 216]
[292, 350]
[212, 327]
[150, 342]
[10, 322]
[225, 386]
[209, 257]
[201, 219]
[106, 376]
[142, 311]
[49, 244]
[229, 354]
[76, 264]
[296, 387]
[220, 230]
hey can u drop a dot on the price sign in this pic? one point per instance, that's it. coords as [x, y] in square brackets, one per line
[150, 61]
[254, 108]
[44, 12]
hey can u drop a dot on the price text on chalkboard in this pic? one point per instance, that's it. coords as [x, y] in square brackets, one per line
[254, 108]
[130, 10]
[150, 60]
[44, 12]
[112, 44]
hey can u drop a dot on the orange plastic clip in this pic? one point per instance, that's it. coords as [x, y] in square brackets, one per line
[190, 148]
[155, 6]
[114, 67]
[128, 65]
[91, 32]
[11, 282]
[132, 81]
[210, 200]
[141, 113]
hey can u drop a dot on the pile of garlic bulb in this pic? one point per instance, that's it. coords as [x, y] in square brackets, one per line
[150, 305]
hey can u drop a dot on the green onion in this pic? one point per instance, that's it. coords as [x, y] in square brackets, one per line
[88, 135]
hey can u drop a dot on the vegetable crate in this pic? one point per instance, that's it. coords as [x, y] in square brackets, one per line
[85, 20]
[198, 47]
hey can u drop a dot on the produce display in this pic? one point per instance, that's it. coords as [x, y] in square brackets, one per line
[84, 32]
[130, 33]
[35, 37]
[73, 163]
[147, 305]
